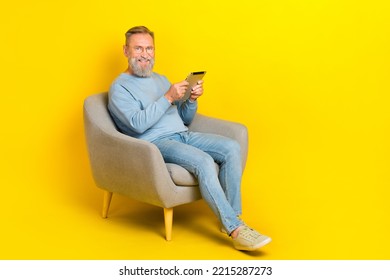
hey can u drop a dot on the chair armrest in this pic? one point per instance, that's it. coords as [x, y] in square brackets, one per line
[234, 130]
[126, 165]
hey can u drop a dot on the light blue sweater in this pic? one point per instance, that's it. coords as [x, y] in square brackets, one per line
[139, 108]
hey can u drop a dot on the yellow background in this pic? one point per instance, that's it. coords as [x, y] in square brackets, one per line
[310, 79]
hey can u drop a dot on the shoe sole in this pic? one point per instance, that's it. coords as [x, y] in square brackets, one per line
[261, 244]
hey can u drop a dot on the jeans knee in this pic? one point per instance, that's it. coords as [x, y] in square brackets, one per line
[206, 165]
[233, 148]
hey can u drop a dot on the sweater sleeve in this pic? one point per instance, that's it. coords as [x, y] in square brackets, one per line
[187, 111]
[131, 112]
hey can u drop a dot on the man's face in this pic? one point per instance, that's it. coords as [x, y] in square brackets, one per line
[140, 54]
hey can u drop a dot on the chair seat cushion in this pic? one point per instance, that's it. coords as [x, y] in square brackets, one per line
[182, 177]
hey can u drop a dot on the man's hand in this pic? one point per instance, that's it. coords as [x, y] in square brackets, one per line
[196, 91]
[176, 91]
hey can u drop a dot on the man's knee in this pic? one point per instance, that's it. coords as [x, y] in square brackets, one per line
[205, 164]
[233, 147]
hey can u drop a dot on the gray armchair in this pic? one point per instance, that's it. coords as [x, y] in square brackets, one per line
[135, 168]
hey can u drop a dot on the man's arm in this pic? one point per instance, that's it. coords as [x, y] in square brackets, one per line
[130, 113]
[188, 108]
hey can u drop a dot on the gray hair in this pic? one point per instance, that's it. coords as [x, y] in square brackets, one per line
[137, 30]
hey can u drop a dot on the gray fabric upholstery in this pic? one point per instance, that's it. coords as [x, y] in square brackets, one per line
[134, 167]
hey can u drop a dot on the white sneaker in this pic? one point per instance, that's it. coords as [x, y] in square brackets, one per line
[249, 240]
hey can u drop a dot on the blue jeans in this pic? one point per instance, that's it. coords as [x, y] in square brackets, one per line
[198, 153]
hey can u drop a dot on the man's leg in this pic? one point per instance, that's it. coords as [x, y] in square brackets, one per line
[227, 153]
[201, 164]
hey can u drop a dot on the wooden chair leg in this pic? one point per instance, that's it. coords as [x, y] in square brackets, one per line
[106, 203]
[168, 219]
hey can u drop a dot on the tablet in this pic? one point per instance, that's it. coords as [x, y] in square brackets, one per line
[193, 78]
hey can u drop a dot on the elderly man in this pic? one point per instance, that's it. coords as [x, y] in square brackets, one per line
[147, 106]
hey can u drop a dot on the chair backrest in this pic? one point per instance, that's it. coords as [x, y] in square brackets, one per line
[99, 131]
[96, 112]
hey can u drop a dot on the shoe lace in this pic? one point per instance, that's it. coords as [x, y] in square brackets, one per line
[249, 233]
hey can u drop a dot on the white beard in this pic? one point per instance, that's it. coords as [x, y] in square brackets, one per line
[139, 70]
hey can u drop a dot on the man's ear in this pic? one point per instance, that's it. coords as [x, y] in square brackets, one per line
[126, 51]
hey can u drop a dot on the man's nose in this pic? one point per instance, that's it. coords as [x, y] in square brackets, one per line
[144, 53]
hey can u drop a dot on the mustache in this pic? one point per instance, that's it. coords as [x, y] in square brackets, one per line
[144, 59]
